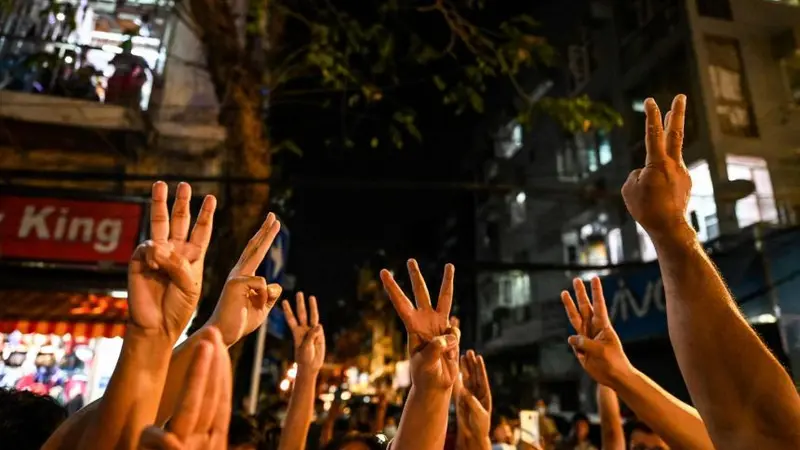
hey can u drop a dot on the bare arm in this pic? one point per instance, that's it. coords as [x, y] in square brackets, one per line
[300, 411]
[743, 393]
[676, 422]
[610, 419]
[745, 397]
[423, 424]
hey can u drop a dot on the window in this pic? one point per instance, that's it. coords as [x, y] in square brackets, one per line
[760, 205]
[718, 9]
[734, 107]
[702, 204]
[515, 289]
[615, 253]
[516, 208]
[586, 153]
[509, 140]
[646, 247]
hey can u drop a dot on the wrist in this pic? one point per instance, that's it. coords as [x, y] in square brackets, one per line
[679, 235]
[227, 339]
[306, 373]
[621, 376]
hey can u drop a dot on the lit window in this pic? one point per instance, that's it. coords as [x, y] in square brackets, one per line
[615, 254]
[517, 208]
[509, 140]
[760, 205]
[702, 202]
[604, 148]
[734, 108]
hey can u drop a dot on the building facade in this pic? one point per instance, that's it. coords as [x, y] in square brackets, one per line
[737, 60]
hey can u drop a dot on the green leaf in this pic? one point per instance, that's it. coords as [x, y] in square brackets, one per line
[439, 82]
[476, 101]
[374, 142]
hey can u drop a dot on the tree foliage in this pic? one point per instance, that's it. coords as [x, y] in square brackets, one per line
[358, 59]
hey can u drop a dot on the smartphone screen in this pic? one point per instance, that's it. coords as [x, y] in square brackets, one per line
[529, 427]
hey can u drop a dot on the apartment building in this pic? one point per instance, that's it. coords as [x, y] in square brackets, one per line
[737, 60]
[91, 92]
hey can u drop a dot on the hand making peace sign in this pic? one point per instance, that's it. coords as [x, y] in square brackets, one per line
[247, 299]
[658, 194]
[203, 414]
[165, 276]
[308, 335]
[432, 343]
[596, 345]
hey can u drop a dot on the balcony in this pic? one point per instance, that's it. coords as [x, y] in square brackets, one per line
[653, 31]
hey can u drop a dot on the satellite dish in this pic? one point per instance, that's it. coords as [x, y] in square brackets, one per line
[732, 190]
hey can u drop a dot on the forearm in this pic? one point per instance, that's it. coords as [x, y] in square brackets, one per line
[179, 365]
[676, 422]
[131, 401]
[423, 425]
[464, 442]
[610, 419]
[715, 346]
[300, 411]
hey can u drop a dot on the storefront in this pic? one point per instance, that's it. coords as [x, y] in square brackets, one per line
[63, 296]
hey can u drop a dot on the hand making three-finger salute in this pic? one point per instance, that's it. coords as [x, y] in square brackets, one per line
[309, 354]
[165, 279]
[203, 415]
[434, 350]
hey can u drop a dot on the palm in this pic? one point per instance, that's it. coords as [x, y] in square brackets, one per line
[309, 338]
[437, 373]
[165, 274]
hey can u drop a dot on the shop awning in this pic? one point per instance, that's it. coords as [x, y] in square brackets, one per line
[82, 329]
[49, 312]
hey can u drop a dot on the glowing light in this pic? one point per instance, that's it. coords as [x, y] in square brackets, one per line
[68, 60]
[116, 294]
[292, 373]
[327, 406]
[332, 389]
[285, 385]
[521, 197]
[60, 17]
[346, 395]
[366, 399]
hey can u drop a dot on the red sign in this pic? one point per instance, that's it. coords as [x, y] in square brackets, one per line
[67, 230]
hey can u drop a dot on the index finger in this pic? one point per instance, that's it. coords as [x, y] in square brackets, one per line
[258, 246]
[300, 304]
[654, 133]
[445, 302]
[675, 126]
[572, 311]
[287, 311]
[312, 305]
[484, 381]
[399, 300]
[159, 213]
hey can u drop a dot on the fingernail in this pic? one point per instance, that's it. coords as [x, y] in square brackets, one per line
[450, 340]
[441, 342]
[274, 290]
[680, 99]
[573, 340]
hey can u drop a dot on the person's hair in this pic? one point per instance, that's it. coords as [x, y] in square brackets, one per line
[572, 438]
[243, 430]
[372, 441]
[27, 420]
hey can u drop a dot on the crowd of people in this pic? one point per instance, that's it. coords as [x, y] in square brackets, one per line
[164, 398]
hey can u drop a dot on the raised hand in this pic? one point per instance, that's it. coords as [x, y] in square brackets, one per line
[596, 345]
[247, 299]
[432, 342]
[308, 335]
[203, 414]
[165, 276]
[658, 194]
[473, 401]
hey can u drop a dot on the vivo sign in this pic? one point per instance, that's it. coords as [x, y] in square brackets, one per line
[625, 306]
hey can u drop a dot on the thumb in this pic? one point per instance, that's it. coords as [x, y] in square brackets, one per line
[585, 345]
[438, 346]
[252, 284]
